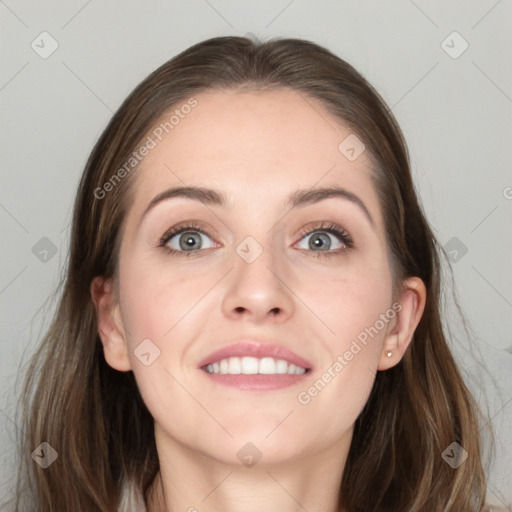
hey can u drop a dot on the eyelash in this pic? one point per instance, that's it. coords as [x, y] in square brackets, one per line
[331, 228]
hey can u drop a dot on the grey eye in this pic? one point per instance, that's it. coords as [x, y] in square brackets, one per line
[321, 240]
[187, 241]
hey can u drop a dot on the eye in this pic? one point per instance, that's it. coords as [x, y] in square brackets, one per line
[188, 239]
[320, 237]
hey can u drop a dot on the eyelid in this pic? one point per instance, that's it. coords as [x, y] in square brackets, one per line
[191, 225]
[332, 228]
[179, 229]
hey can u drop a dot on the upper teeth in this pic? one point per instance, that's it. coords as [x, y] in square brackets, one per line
[254, 365]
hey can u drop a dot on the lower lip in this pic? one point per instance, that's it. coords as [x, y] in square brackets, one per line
[257, 382]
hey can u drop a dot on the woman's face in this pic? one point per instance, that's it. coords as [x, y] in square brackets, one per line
[261, 272]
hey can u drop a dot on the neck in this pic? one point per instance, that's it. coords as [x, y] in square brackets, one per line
[190, 481]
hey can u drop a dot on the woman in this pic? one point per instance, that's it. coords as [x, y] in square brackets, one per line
[250, 318]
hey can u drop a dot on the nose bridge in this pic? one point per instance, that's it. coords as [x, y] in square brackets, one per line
[257, 259]
[260, 243]
[254, 284]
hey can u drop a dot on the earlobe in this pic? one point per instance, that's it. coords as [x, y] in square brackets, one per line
[110, 326]
[396, 342]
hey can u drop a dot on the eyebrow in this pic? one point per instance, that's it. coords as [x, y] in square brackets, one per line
[297, 199]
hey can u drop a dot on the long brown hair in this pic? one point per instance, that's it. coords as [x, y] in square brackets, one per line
[93, 415]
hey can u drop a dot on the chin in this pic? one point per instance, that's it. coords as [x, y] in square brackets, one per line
[254, 448]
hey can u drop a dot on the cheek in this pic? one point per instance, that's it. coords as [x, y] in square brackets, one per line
[351, 302]
[350, 355]
[154, 300]
[160, 308]
[351, 308]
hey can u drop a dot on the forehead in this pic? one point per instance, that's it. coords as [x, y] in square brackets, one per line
[257, 145]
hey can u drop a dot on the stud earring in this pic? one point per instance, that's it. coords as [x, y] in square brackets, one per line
[389, 353]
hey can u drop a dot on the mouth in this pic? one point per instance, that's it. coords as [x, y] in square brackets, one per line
[255, 365]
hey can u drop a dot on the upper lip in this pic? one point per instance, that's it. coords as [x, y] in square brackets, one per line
[255, 348]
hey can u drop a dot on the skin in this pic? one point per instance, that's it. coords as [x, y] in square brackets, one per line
[256, 147]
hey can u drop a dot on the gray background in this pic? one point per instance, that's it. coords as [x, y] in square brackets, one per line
[455, 110]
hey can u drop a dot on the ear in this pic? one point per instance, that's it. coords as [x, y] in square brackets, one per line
[412, 304]
[110, 326]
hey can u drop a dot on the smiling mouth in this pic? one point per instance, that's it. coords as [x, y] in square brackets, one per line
[254, 366]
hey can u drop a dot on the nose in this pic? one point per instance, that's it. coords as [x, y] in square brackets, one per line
[257, 288]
